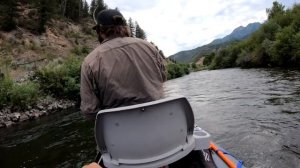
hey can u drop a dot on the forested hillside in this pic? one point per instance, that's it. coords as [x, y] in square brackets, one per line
[42, 45]
[237, 34]
[275, 44]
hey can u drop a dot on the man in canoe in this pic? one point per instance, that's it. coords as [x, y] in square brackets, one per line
[122, 70]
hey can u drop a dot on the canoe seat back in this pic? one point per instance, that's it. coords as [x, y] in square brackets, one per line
[151, 134]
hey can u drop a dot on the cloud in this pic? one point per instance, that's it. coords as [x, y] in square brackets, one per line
[131, 5]
[185, 24]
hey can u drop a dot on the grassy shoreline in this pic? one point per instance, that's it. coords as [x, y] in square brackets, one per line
[53, 87]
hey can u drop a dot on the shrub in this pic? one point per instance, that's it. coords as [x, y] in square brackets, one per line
[177, 70]
[87, 30]
[23, 95]
[208, 59]
[72, 34]
[244, 59]
[5, 86]
[60, 80]
[84, 50]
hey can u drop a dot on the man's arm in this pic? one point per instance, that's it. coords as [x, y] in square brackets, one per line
[89, 101]
[161, 65]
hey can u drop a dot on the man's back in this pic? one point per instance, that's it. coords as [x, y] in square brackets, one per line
[122, 71]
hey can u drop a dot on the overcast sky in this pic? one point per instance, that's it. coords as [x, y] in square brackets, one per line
[176, 25]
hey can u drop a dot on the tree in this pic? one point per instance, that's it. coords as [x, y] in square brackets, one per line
[132, 27]
[45, 10]
[85, 10]
[283, 47]
[97, 6]
[208, 59]
[9, 15]
[139, 32]
[296, 52]
[63, 6]
[277, 9]
[73, 10]
[80, 9]
[101, 6]
[93, 7]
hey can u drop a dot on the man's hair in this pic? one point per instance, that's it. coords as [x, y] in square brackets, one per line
[115, 31]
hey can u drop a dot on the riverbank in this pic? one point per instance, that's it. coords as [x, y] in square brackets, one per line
[10, 117]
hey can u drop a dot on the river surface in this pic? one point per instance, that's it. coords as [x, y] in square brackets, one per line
[254, 114]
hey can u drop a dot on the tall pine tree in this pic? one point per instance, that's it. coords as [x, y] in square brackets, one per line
[85, 12]
[73, 10]
[277, 9]
[97, 5]
[100, 6]
[63, 7]
[139, 32]
[9, 14]
[92, 7]
[131, 27]
[46, 9]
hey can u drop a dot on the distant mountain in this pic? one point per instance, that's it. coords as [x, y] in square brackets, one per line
[237, 34]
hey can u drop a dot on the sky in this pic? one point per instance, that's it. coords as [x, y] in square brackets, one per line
[177, 25]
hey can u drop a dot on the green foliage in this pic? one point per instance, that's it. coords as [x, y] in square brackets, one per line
[81, 50]
[208, 59]
[85, 9]
[60, 80]
[72, 34]
[296, 50]
[270, 29]
[93, 7]
[276, 10]
[139, 32]
[225, 58]
[17, 95]
[6, 61]
[275, 44]
[97, 6]
[45, 9]
[5, 86]
[23, 95]
[194, 66]
[177, 70]
[73, 10]
[283, 47]
[244, 59]
[88, 30]
[8, 11]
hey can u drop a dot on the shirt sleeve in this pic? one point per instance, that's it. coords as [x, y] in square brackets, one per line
[90, 103]
[161, 66]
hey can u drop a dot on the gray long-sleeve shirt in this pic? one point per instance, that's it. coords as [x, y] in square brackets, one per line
[121, 72]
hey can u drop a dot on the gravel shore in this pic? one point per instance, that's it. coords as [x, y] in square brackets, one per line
[9, 117]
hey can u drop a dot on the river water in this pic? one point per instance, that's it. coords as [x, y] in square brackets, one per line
[253, 113]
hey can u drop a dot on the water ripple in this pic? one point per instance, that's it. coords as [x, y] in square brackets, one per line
[253, 113]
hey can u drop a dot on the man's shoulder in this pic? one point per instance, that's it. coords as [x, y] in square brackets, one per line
[92, 55]
[133, 40]
[136, 40]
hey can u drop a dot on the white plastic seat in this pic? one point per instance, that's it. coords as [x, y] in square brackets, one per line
[147, 135]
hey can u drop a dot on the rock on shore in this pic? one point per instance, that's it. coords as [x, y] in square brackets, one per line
[45, 107]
